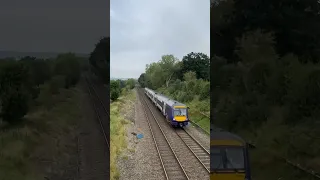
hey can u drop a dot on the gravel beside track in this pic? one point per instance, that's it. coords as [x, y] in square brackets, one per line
[141, 161]
[194, 169]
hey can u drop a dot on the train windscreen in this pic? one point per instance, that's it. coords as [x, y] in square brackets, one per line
[227, 158]
[180, 112]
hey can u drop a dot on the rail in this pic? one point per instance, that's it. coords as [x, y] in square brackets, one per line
[201, 153]
[92, 91]
[162, 147]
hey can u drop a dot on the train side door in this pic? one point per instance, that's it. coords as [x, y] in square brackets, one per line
[164, 108]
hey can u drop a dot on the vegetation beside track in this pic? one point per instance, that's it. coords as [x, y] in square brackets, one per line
[118, 119]
[266, 74]
[39, 114]
[45, 142]
[187, 81]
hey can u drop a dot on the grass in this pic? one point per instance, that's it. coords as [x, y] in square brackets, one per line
[196, 107]
[118, 131]
[43, 137]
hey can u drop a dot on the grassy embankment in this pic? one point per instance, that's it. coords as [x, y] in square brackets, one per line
[196, 108]
[117, 128]
[41, 144]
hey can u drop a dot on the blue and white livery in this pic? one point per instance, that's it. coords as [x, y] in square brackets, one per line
[175, 112]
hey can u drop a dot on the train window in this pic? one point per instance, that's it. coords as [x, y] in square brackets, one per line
[180, 112]
[235, 158]
[216, 160]
[226, 158]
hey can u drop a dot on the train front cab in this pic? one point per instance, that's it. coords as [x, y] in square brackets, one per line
[177, 115]
[229, 159]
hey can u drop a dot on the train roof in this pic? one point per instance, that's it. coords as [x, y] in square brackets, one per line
[169, 101]
[220, 134]
[151, 91]
[165, 99]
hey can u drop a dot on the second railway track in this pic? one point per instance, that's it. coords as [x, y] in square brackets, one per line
[201, 153]
[100, 109]
[170, 163]
[167, 151]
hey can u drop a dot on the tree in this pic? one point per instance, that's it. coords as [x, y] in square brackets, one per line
[161, 72]
[100, 59]
[142, 80]
[14, 94]
[39, 68]
[67, 65]
[115, 90]
[40, 71]
[198, 63]
[131, 83]
[287, 19]
[168, 66]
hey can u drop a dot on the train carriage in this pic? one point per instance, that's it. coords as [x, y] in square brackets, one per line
[150, 94]
[229, 157]
[176, 113]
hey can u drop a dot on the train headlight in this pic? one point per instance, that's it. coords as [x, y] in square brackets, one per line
[173, 119]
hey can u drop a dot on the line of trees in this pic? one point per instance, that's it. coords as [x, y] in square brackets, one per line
[266, 78]
[186, 80]
[30, 82]
[100, 59]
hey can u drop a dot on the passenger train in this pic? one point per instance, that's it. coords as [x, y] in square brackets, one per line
[176, 113]
[229, 157]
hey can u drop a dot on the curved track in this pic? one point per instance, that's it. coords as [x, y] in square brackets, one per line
[99, 108]
[170, 163]
[201, 153]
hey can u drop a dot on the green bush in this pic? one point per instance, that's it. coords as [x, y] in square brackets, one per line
[32, 81]
[68, 65]
[14, 91]
[115, 90]
[14, 105]
[56, 83]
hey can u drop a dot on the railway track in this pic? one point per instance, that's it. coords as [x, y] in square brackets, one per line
[170, 163]
[100, 109]
[201, 153]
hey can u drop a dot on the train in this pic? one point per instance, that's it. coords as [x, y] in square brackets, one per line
[176, 113]
[229, 157]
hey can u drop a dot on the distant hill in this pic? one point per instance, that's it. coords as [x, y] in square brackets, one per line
[15, 54]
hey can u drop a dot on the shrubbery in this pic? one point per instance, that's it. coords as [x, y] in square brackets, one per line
[120, 86]
[31, 82]
[266, 75]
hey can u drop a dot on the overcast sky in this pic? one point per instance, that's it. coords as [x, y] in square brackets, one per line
[53, 26]
[144, 30]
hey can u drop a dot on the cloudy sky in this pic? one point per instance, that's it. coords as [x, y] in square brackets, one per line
[53, 26]
[144, 30]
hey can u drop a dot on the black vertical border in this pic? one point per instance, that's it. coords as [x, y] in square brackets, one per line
[212, 116]
[108, 78]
